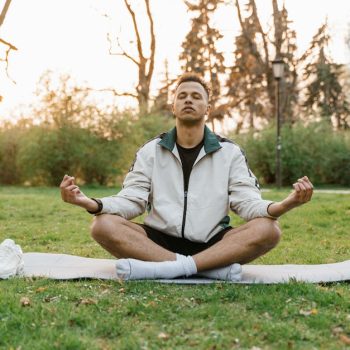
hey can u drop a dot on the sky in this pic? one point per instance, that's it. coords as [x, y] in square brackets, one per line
[70, 36]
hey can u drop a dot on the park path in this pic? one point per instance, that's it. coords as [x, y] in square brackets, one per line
[320, 191]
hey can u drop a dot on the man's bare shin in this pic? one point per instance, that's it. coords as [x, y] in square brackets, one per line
[125, 239]
[240, 245]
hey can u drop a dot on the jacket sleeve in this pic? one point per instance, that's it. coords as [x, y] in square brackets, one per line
[132, 200]
[244, 193]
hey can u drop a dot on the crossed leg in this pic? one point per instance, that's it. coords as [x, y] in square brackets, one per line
[125, 239]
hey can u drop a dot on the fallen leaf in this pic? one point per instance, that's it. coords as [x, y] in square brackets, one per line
[337, 330]
[87, 301]
[163, 336]
[345, 339]
[121, 290]
[25, 301]
[308, 312]
[50, 299]
[40, 289]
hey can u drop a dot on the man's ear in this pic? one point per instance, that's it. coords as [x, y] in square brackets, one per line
[208, 109]
[173, 108]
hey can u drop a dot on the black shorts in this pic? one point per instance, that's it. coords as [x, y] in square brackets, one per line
[181, 245]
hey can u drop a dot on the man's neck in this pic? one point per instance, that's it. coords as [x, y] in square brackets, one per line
[189, 136]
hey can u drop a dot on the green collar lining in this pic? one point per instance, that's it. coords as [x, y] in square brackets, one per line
[211, 143]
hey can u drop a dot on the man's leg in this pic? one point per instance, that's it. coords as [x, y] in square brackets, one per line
[125, 239]
[240, 245]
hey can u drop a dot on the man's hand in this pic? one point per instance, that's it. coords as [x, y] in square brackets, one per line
[302, 193]
[71, 193]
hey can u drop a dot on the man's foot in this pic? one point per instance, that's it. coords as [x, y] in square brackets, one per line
[228, 273]
[133, 269]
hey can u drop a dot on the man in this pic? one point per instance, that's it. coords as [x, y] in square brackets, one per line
[187, 179]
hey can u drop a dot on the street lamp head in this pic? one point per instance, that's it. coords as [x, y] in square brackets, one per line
[278, 68]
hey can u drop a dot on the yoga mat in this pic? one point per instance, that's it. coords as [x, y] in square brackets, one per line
[63, 266]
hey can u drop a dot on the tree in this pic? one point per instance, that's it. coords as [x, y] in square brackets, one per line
[199, 53]
[8, 45]
[161, 101]
[144, 64]
[324, 92]
[251, 82]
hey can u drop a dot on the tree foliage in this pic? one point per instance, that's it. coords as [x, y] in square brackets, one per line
[251, 82]
[200, 54]
[324, 92]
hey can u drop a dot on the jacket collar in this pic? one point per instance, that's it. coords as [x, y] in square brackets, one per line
[211, 143]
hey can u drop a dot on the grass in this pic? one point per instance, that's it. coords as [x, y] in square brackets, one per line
[93, 314]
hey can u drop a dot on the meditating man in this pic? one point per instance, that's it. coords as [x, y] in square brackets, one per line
[187, 179]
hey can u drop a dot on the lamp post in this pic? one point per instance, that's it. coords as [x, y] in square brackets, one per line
[278, 69]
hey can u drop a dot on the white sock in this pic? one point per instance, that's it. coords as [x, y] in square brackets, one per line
[133, 269]
[228, 273]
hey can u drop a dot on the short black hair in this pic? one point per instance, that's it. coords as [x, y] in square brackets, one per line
[189, 76]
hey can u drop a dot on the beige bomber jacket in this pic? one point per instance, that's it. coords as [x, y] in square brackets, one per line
[220, 180]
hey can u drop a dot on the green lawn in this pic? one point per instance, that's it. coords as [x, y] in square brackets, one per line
[94, 314]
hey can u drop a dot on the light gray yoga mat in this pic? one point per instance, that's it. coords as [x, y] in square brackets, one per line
[63, 266]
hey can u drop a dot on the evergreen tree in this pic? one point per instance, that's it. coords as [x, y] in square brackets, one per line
[199, 53]
[324, 92]
[251, 82]
[161, 101]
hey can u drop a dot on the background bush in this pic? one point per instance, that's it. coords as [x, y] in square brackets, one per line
[95, 154]
[102, 152]
[314, 150]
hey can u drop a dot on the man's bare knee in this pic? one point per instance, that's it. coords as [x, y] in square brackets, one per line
[272, 232]
[103, 224]
[268, 231]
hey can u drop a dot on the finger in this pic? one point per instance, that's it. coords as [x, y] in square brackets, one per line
[303, 190]
[76, 191]
[71, 187]
[64, 180]
[67, 180]
[308, 185]
[297, 187]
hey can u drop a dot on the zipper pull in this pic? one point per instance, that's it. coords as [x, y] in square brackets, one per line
[185, 194]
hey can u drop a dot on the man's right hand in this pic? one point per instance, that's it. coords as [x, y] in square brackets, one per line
[71, 193]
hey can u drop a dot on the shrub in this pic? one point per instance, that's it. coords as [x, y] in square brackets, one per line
[314, 150]
[9, 146]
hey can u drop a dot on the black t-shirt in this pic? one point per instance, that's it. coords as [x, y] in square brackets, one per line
[188, 157]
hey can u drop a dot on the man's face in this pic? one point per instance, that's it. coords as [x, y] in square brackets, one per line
[190, 103]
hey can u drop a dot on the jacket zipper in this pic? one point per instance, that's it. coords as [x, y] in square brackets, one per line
[184, 215]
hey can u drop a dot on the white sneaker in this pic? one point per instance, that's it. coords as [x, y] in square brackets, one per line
[11, 259]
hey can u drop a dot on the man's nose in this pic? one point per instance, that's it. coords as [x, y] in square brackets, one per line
[188, 100]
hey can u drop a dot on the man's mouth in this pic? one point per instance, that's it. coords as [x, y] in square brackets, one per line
[188, 109]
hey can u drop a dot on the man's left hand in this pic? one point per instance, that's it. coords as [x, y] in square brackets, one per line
[302, 193]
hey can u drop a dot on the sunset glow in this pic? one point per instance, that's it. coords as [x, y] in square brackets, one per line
[71, 36]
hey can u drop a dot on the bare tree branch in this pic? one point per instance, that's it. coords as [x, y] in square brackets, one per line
[10, 47]
[263, 36]
[137, 33]
[123, 53]
[252, 45]
[4, 11]
[114, 92]
[153, 41]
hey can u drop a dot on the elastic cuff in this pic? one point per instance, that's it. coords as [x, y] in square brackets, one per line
[100, 206]
[269, 215]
